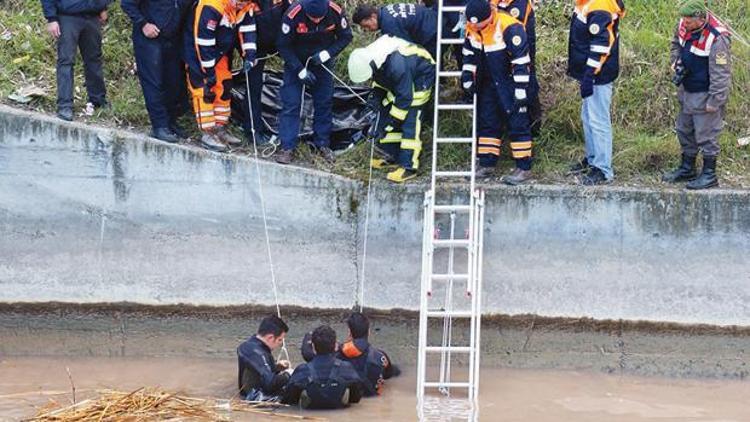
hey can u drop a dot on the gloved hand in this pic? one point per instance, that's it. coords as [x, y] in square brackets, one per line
[247, 65]
[373, 131]
[467, 83]
[209, 96]
[307, 78]
[392, 124]
[373, 103]
[587, 83]
[320, 58]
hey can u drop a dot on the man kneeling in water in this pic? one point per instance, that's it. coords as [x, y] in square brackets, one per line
[372, 364]
[326, 382]
[261, 378]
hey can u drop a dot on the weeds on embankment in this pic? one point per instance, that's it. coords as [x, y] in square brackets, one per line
[643, 112]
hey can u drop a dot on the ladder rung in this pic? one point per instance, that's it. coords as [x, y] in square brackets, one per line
[450, 74]
[451, 208]
[453, 314]
[451, 41]
[453, 349]
[447, 243]
[454, 140]
[455, 106]
[446, 277]
[453, 173]
[453, 8]
[447, 385]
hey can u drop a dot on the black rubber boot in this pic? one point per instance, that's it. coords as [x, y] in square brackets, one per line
[685, 172]
[708, 178]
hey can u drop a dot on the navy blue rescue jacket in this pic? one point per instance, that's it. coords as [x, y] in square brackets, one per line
[268, 15]
[54, 8]
[414, 23]
[594, 43]
[301, 38]
[372, 364]
[213, 29]
[407, 76]
[167, 15]
[324, 380]
[523, 10]
[257, 374]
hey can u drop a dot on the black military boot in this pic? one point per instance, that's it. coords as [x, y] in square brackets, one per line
[708, 178]
[685, 172]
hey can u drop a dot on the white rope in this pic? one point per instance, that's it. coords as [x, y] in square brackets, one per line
[361, 298]
[283, 350]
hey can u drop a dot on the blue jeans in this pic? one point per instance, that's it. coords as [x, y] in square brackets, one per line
[597, 129]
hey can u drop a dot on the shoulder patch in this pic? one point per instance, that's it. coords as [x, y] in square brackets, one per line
[517, 40]
[335, 7]
[344, 24]
[722, 59]
[515, 12]
[285, 28]
[294, 10]
[594, 29]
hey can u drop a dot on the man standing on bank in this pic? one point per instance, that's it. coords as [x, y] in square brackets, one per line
[213, 29]
[594, 61]
[77, 24]
[313, 33]
[157, 26]
[702, 60]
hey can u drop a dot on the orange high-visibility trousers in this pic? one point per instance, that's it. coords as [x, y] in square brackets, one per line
[211, 115]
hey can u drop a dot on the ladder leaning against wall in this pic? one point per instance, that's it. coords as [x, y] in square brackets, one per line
[451, 284]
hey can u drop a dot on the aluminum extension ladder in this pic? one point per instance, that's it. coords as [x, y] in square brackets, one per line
[442, 252]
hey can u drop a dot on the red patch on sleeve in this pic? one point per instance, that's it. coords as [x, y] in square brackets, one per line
[211, 24]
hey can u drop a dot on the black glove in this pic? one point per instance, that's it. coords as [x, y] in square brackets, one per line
[373, 103]
[208, 95]
[392, 124]
[248, 65]
[467, 83]
[587, 83]
[373, 131]
[307, 78]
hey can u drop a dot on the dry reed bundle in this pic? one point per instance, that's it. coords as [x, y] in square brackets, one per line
[152, 404]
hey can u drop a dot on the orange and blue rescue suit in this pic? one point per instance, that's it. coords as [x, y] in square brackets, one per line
[372, 364]
[498, 57]
[594, 45]
[214, 29]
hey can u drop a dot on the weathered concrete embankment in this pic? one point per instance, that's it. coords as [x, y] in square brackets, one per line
[99, 215]
[67, 330]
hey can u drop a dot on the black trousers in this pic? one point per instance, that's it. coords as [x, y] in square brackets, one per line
[84, 33]
[162, 77]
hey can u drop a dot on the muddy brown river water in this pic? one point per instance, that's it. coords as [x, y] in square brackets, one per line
[506, 394]
[534, 369]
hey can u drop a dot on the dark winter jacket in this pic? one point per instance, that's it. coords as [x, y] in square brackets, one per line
[54, 8]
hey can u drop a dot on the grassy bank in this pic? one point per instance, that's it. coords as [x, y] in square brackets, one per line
[644, 103]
